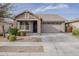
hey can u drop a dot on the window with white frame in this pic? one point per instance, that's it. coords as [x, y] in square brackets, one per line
[24, 25]
[27, 25]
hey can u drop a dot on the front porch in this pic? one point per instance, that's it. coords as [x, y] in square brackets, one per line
[29, 26]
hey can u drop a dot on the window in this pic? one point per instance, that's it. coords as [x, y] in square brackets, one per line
[21, 25]
[24, 25]
[27, 25]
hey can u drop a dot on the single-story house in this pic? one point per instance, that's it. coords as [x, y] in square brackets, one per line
[39, 23]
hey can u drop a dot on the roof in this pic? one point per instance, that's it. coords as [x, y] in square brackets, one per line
[46, 17]
[51, 17]
[21, 12]
[73, 20]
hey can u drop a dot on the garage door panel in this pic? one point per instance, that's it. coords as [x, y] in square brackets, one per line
[49, 28]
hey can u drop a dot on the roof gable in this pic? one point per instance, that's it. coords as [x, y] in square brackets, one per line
[26, 14]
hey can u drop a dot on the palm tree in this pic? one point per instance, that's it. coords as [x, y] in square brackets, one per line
[4, 13]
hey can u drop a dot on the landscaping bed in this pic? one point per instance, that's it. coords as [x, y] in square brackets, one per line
[22, 39]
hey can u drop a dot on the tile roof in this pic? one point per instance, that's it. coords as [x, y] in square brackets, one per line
[51, 17]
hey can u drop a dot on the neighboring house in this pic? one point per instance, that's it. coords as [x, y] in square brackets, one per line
[39, 23]
[6, 24]
[74, 24]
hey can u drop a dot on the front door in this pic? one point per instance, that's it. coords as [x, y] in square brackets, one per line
[35, 26]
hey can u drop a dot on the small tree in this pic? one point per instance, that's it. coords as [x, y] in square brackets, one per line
[4, 13]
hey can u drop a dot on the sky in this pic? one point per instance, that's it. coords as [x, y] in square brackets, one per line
[67, 10]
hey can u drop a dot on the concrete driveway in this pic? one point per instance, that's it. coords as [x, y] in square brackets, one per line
[54, 44]
[61, 44]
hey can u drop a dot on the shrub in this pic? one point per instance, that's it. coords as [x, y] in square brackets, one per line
[23, 33]
[12, 38]
[18, 33]
[13, 31]
[75, 32]
[8, 36]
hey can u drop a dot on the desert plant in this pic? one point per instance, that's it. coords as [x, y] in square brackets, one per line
[11, 37]
[13, 31]
[75, 32]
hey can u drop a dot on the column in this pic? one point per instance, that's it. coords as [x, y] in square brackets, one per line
[39, 26]
[18, 25]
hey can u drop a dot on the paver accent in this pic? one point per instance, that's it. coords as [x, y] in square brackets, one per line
[20, 49]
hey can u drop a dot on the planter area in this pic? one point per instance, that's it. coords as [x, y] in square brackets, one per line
[22, 39]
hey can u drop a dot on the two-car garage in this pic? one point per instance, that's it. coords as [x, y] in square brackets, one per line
[52, 27]
[52, 23]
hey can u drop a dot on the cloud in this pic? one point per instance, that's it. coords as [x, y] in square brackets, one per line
[50, 7]
[39, 9]
[60, 6]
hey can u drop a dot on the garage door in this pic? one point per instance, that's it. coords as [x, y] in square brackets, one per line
[49, 28]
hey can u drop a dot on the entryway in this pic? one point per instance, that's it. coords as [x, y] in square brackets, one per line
[35, 26]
